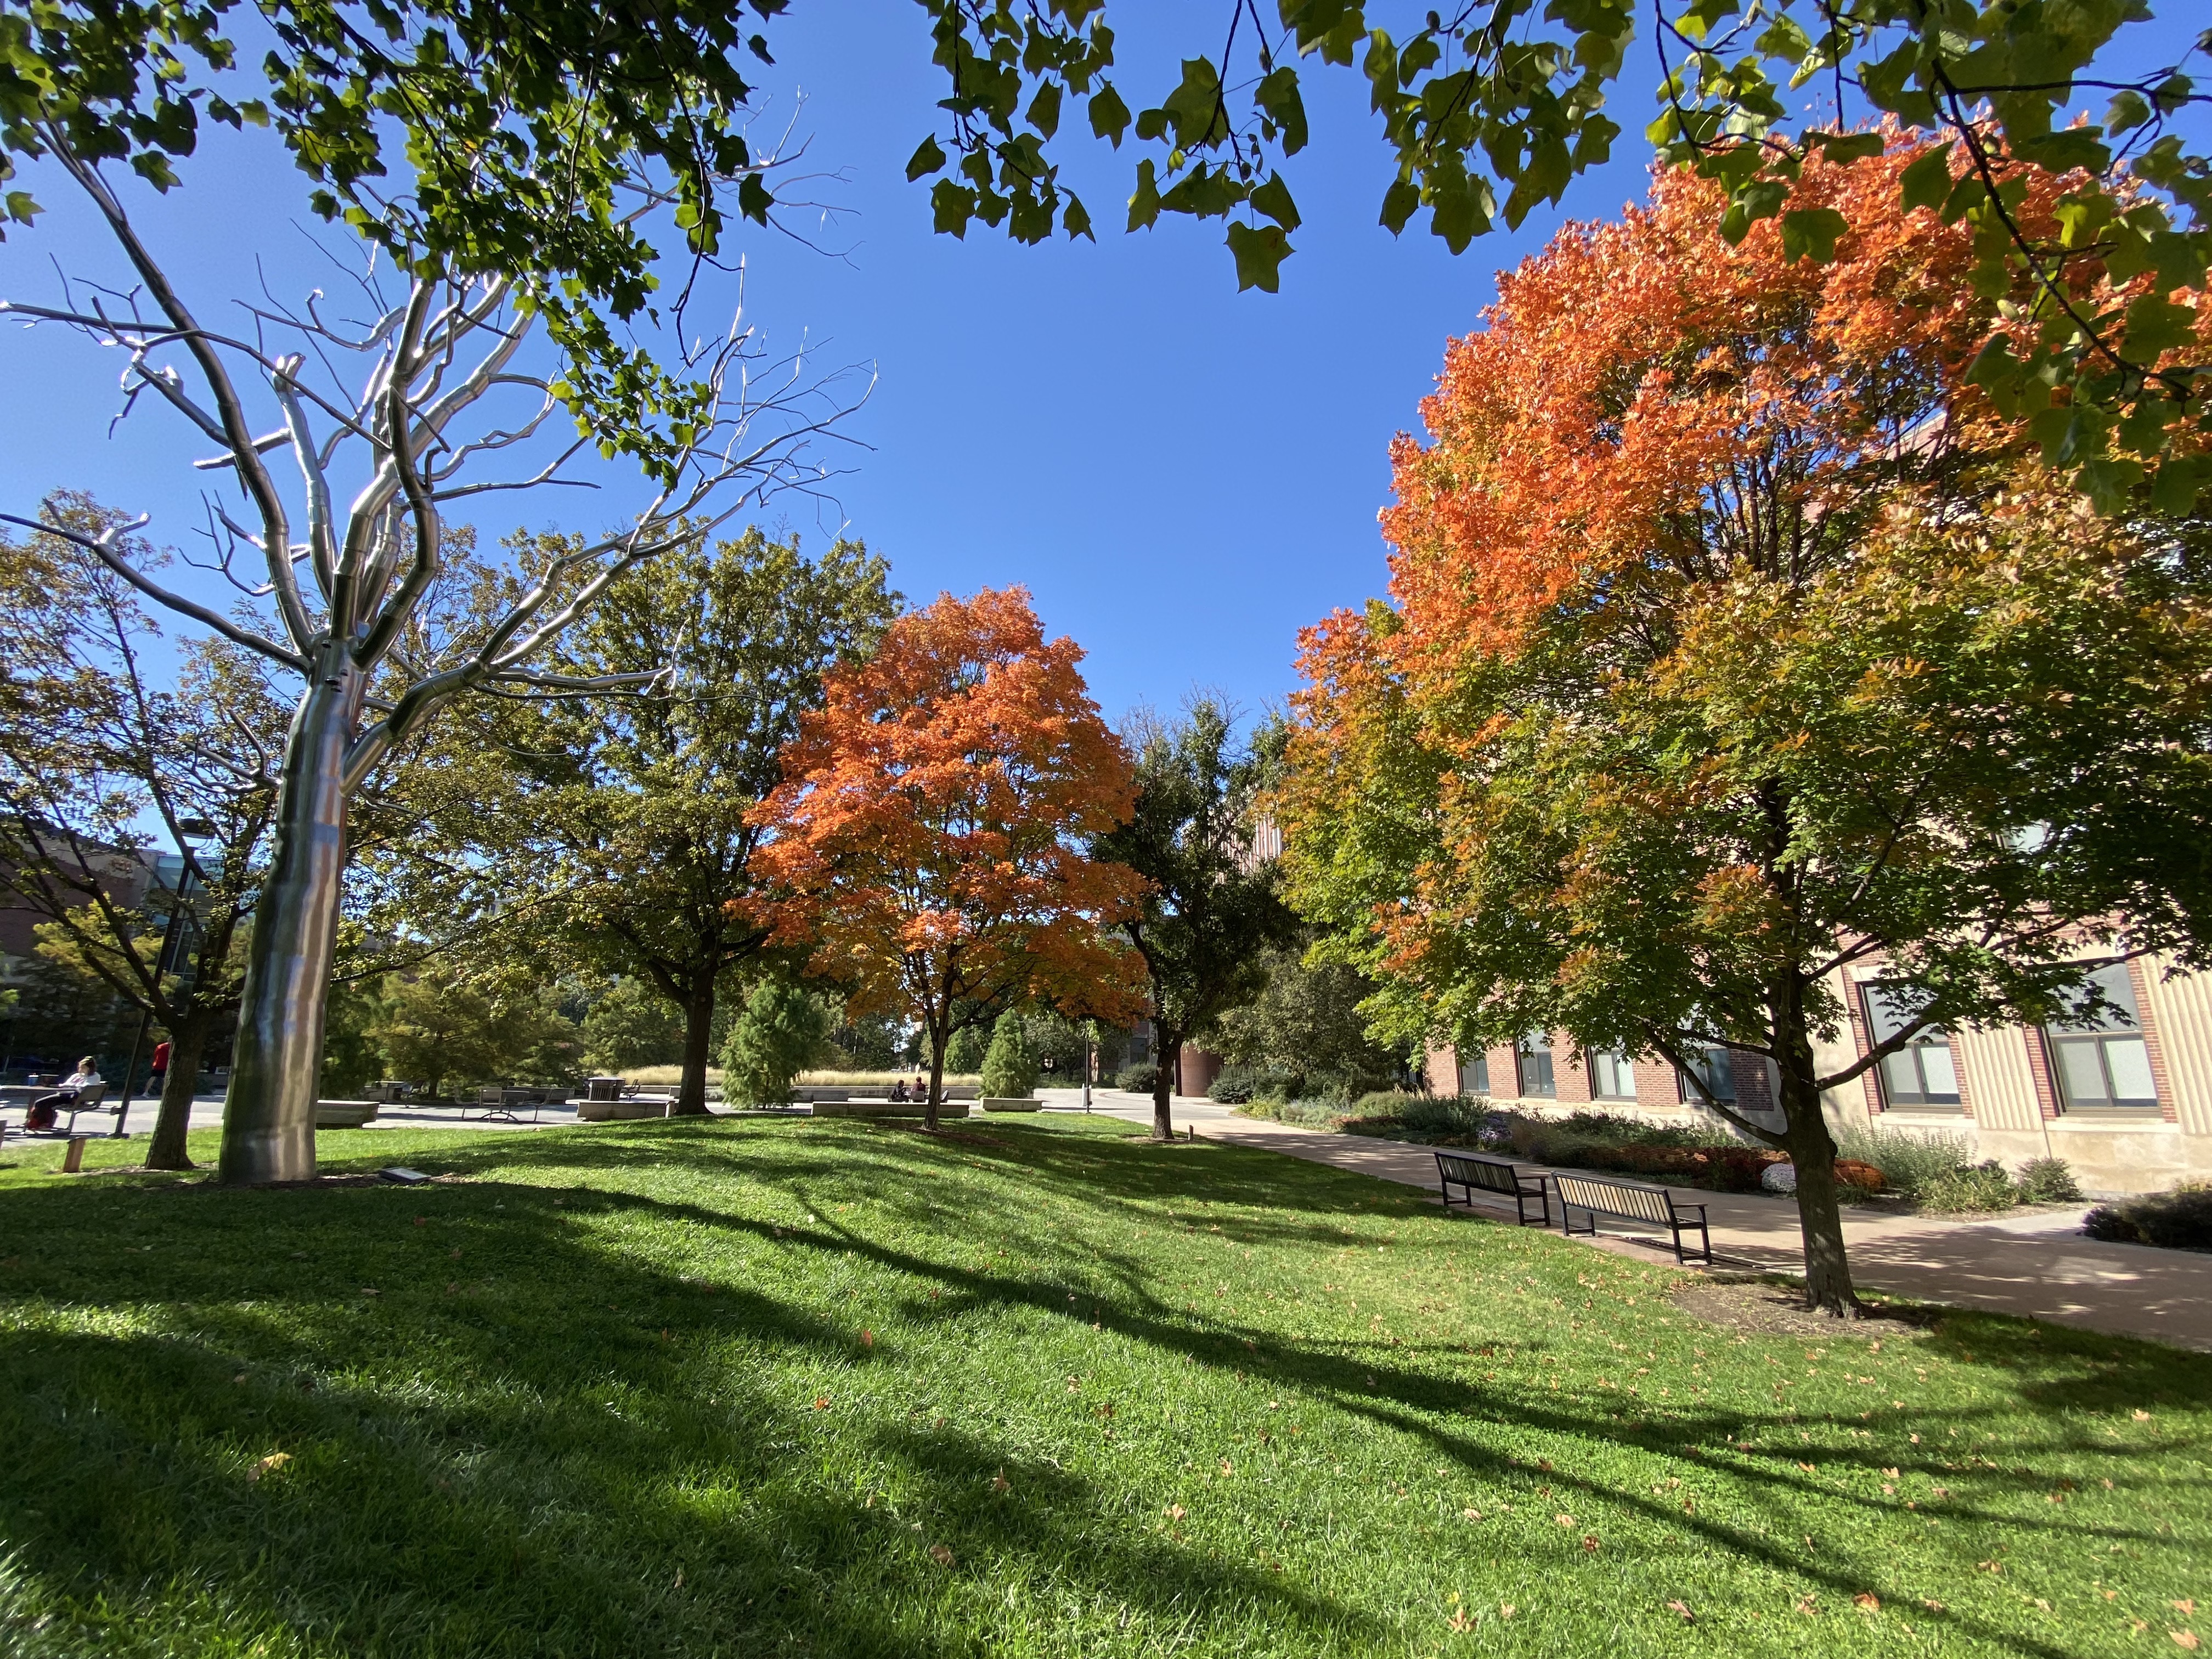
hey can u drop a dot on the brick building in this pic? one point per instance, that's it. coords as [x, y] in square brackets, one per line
[2128, 1106]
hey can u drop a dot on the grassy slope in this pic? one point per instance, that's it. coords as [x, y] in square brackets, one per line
[723, 1389]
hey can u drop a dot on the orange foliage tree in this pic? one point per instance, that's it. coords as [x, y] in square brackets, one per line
[930, 828]
[1730, 645]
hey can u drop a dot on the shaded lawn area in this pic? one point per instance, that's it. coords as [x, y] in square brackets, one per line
[759, 1388]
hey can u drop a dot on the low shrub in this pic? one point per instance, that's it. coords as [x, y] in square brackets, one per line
[1859, 1176]
[1383, 1103]
[2048, 1180]
[1235, 1086]
[2179, 1220]
[1454, 1115]
[1138, 1079]
[1974, 1190]
[1309, 1113]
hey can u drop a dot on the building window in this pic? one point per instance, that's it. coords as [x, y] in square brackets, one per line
[1922, 1074]
[1611, 1077]
[2105, 1065]
[1475, 1075]
[1717, 1071]
[1535, 1057]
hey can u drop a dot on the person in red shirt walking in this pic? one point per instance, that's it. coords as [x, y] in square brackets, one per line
[159, 1071]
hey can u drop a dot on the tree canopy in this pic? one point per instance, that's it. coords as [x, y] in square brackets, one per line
[1731, 645]
[1210, 909]
[932, 826]
[611, 833]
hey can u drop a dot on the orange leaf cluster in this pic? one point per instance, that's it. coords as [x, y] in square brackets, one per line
[928, 831]
[1644, 395]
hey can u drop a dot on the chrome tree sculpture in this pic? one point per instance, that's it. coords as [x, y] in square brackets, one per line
[405, 408]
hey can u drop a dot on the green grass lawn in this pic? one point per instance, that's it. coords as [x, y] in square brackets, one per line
[751, 1388]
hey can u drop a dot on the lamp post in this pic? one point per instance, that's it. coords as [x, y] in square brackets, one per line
[187, 830]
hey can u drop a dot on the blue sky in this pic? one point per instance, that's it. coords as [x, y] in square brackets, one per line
[1184, 475]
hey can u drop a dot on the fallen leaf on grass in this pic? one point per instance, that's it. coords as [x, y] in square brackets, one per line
[1808, 1606]
[2184, 1638]
[1458, 1621]
[269, 1465]
[2187, 1609]
[1867, 1602]
[941, 1555]
[1471, 1515]
[1688, 1617]
[1175, 1511]
[999, 1482]
[867, 1338]
[1931, 1604]
[1588, 1542]
[1506, 1609]
[1989, 1567]
[2142, 1416]
[1564, 1520]
[822, 1402]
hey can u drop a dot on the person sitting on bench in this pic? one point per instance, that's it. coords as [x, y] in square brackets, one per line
[45, 1111]
[898, 1090]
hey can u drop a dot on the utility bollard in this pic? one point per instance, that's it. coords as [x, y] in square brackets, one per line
[73, 1160]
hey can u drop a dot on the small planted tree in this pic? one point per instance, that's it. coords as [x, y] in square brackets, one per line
[784, 1026]
[932, 826]
[1010, 1065]
[1210, 909]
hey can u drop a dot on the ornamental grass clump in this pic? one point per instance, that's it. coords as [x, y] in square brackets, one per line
[1912, 1162]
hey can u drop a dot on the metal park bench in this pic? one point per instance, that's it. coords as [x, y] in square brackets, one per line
[1626, 1200]
[1492, 1175]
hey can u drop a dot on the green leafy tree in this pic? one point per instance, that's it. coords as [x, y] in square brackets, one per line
[102, 738]
[443, 1030]
[1211, 909]
[630, 1025]
[964, 1052]
[1010, 1065]
[620, 841]
[1308, 1026]
[782, 1031]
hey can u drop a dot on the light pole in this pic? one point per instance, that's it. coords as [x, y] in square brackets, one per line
[187, 830]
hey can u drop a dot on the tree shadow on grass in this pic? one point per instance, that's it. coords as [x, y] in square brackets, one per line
[509, 1469]
[580, 1449]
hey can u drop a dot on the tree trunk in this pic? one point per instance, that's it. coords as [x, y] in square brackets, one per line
[268, 1115]
[1812, 1151]
[937, 1043]
[1166, 1042]
[698, 1039]
[173, 1117]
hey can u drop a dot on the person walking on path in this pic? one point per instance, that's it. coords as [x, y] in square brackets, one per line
[158, 1073]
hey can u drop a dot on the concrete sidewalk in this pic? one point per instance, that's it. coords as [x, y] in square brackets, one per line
[2038, 1264]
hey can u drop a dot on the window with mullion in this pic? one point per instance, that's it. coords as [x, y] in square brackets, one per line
[1717, 1071]
[1533, 1057]
[2103, 1065]
[1475, 1075]
[1922, 1076]
[1612, 1076]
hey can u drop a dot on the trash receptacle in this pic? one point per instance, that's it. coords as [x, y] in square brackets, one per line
[603, 1088]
